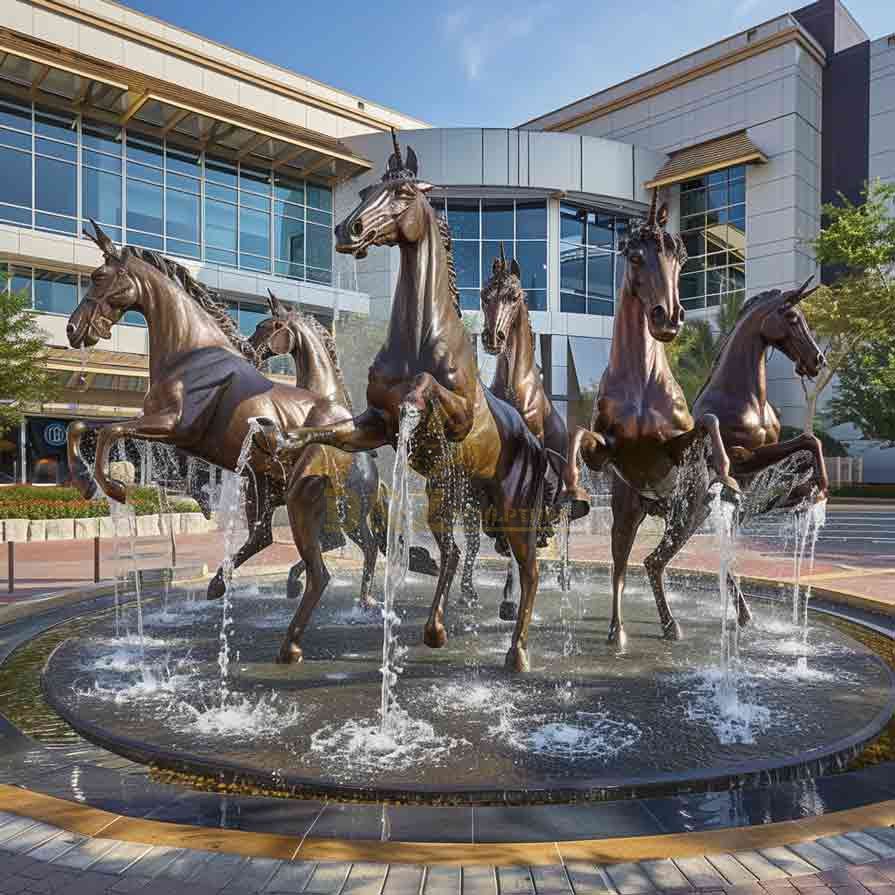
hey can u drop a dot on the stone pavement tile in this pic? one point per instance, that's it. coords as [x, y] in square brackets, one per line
[121, 857]
[664, 874]
[125, 885]
[23, 865]
[56, 847]
[218, 870]
[880, 847]
[253, 875]
[753, 888]
[328, 878]
[364, 878]
[89, 883]
[14, 884]
[851, 851]
[886, 834]
[810, 885]
[12, 831]
[292, 876]
[515, 881]
[816, 855]
[86, 853]
[629, 879]
[759, 866]
[778, 886]
[187, 863]
[155, 860]
[441, 881]
[731, 869]
[866, 874]
[699, 873]
[787, 860]
[33, 837]
[403, 879]
[587, 879]
[551, 879]
[479, 881]
[59, 881]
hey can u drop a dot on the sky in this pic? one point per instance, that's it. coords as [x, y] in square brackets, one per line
[479, 63]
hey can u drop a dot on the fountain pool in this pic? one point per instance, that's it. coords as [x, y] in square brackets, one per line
[585, 723]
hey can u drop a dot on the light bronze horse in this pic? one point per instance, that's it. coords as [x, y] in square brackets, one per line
[736, 392]
[364, 498]
[204, 388]
[428, 363]
[507, 334]
[641, 426]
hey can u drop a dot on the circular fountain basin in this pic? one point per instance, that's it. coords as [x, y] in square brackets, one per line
[587, 722]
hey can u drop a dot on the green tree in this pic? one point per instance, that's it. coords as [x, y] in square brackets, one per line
[858, 309]
[24, 377]
[693, 352]
[865, 394]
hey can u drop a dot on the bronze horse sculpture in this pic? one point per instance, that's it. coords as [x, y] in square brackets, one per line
[736, 392]
[428, 363]
[204, 390]
[364, 498]
[507, 334]
[641, 426]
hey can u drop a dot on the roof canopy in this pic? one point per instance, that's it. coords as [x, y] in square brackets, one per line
[694, 161]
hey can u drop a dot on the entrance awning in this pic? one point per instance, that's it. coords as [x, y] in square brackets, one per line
[118, 96]
[694, 161]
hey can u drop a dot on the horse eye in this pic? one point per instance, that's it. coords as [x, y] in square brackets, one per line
[636, 258]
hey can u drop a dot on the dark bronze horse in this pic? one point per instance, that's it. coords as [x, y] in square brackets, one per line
[204, 389]
[364, 506]
[641, 426]
[737, 390]
[507, 333]
[428, 363]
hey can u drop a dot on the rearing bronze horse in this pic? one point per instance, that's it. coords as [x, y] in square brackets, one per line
[641, 425]
[428, 363]
[204, 390]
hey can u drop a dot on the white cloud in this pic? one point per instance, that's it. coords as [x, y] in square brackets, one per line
[476, 41]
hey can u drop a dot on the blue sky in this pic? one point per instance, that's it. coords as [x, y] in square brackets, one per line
[481, 62]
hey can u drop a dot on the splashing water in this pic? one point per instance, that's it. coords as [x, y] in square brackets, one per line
[808, 524]
[724, 520]
[264, 718]
[590, 735]
[400, 529]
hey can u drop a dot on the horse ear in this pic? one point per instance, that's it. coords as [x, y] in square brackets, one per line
[412, 163]
[798, 294]
[106, 246]
[514, 269]
[662, 215]
[422, 186]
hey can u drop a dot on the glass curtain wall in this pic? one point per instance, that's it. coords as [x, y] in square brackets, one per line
[58, 169]
[588, 250]
[713, 227]
[478, 226]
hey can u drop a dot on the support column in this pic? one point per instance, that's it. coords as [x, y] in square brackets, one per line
[23, 452]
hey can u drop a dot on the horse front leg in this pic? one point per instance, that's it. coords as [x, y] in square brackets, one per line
[594, 451]
[363, 433]
[708, 424]
[627, 515]
[524, 547]
[768, 455]
[259, 515]
[457, 411]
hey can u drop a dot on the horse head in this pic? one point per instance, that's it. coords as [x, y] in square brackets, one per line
[274, 336]
[113, 290]
[785, 327]
[391, 212]
[654, 260]
[502, 300]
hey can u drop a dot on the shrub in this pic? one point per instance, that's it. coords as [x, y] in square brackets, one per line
[29, 502]
[880, 492]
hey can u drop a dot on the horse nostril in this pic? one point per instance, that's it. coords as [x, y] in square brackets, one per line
[501, 335]
[357, 228]
[70, 329]
[821, 360]
[659, 316]
[681, 315]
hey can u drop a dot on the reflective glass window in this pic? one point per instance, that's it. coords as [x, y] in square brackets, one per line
[318, 249]
[497, 220]
[15, 115]
[55, 293]
[101, 137]
[220, 226]
[290, 239]
[532, 259]
[572, 268]
[470, 299]
[182, 216]
[101, 196]
[289, 191]
[320, 197]
[15, 177]
[249, 318]
[144, 206]
[572, 224]
[144, 150]
[531, 220]
[56, 186]
[58, 125]
[254, 234]
[183, 161]
[463, 218]
[15, 139]
[466, 263]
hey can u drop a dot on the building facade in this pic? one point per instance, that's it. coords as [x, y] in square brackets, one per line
[239, 169]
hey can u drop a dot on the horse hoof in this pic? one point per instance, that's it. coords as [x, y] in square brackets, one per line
[435, 636]
[290, 654]
[507, 611]
[422, 562]
[672, 631]
[617, 637]
[216, 588]
[517, 660]
[579, 502]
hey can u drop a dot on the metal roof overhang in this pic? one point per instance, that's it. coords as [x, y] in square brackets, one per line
[610, 204]
[713, 155]
[37, 75]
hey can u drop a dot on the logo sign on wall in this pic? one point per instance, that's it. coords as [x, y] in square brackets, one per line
[55, 434]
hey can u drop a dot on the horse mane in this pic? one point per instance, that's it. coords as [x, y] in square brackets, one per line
[200, 294]
[447, 241]
[755, 303]
[329, 345]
